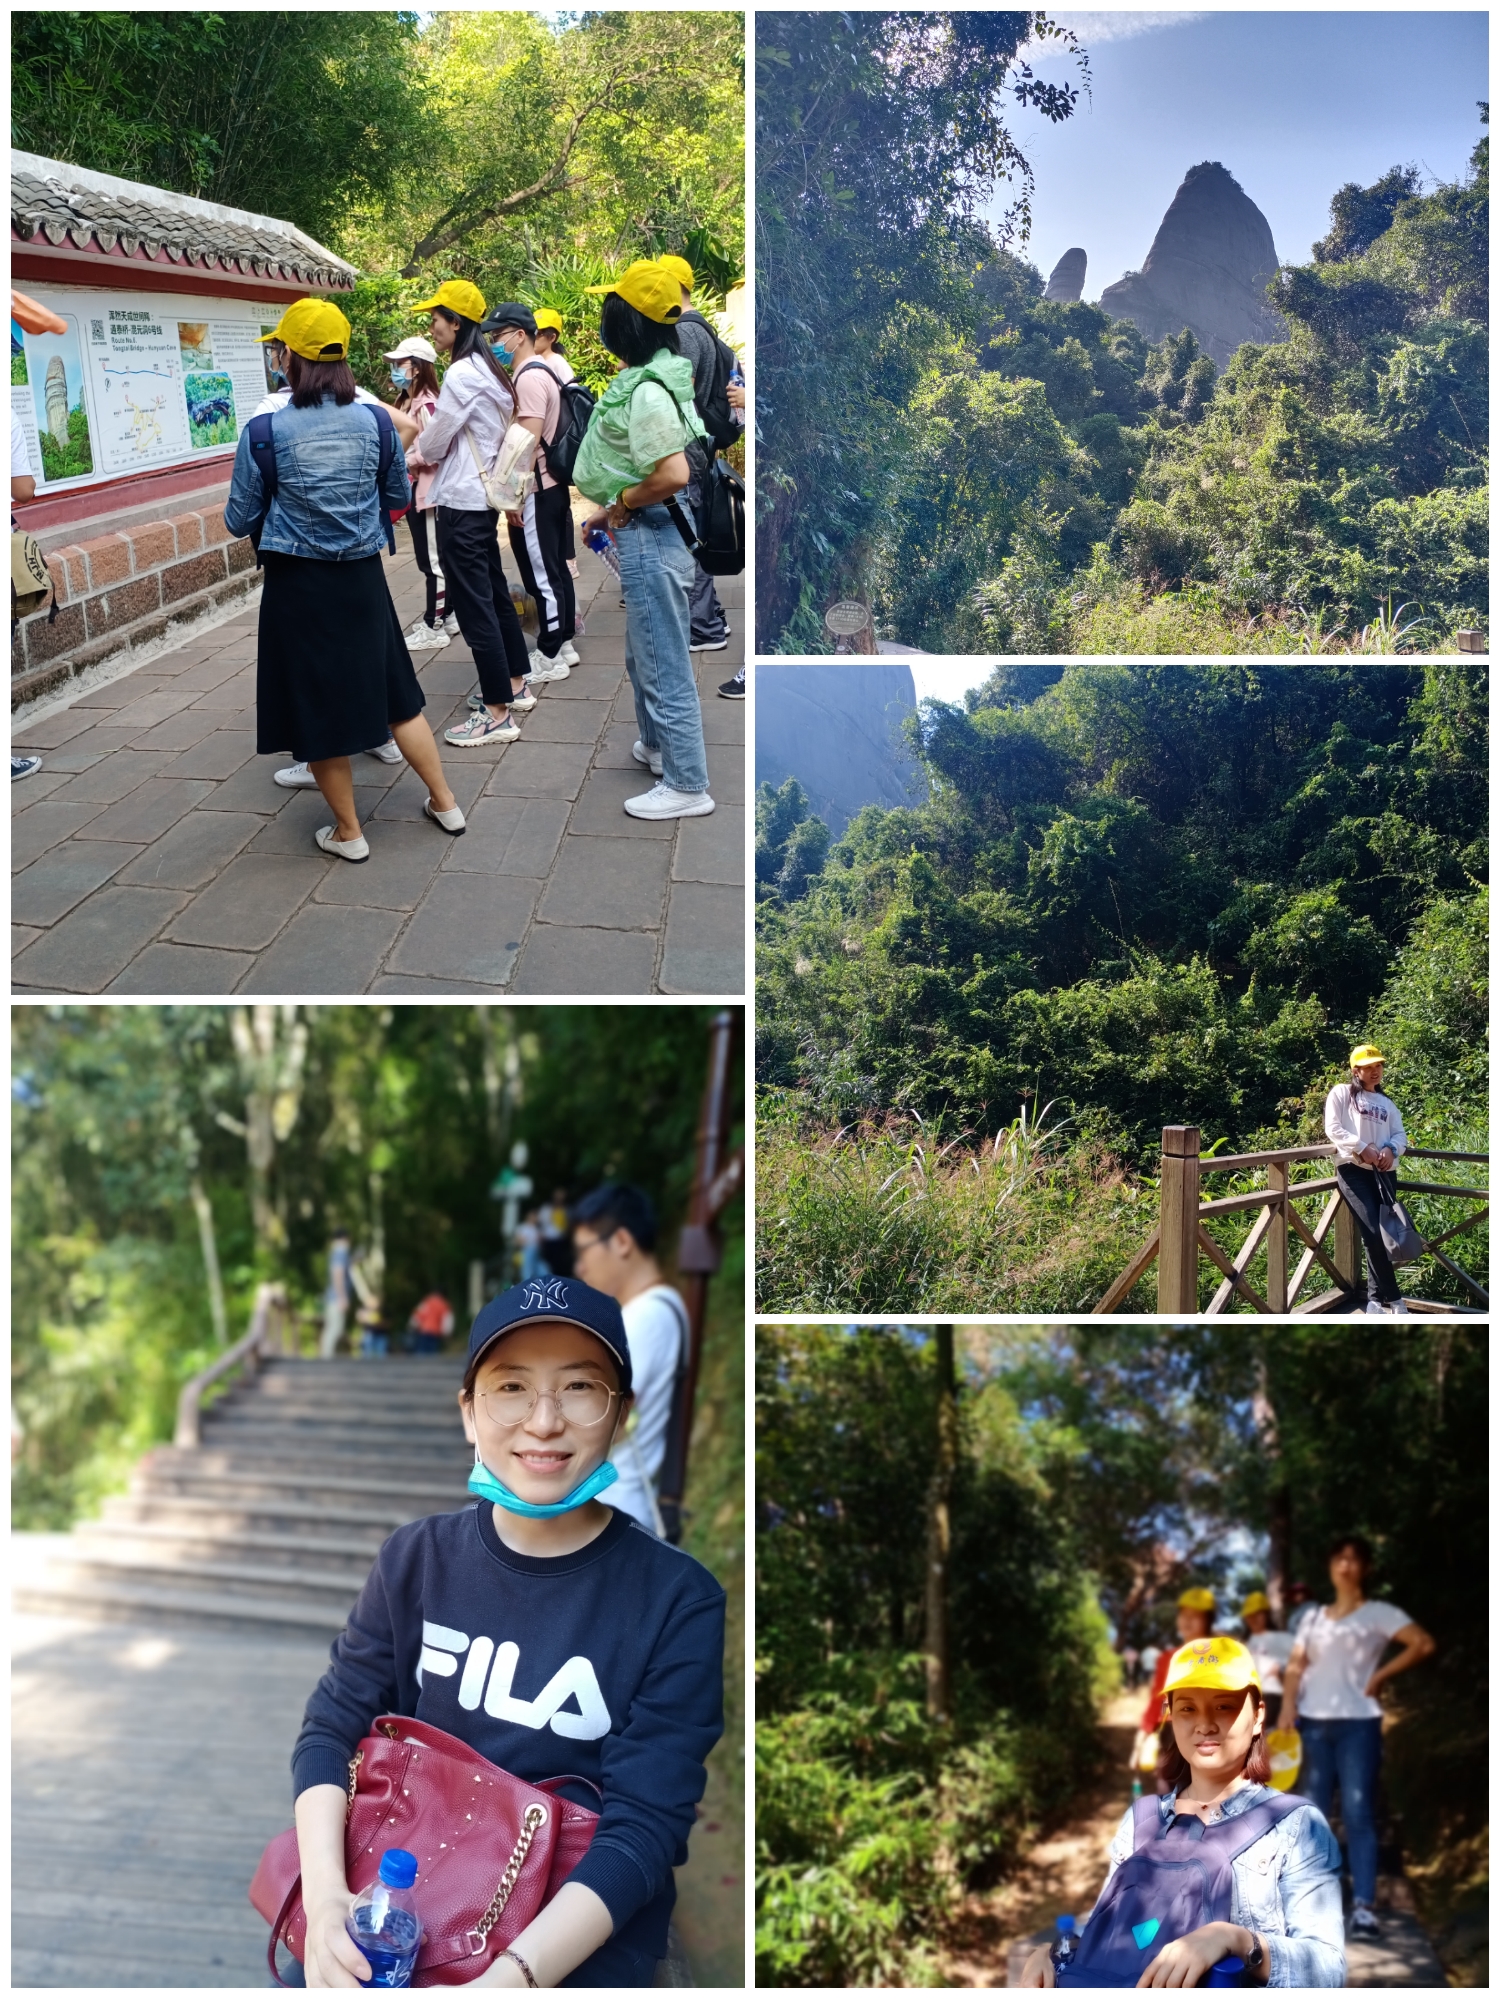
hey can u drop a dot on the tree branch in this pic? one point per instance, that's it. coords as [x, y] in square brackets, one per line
[473, 206]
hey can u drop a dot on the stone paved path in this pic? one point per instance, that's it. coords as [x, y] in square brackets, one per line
[152, 853]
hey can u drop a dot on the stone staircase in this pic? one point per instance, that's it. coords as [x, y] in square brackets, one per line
[272, 1523]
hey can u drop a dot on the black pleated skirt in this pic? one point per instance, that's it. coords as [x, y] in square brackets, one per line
[332, 671]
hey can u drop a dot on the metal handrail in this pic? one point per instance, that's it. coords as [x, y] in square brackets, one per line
[264, 1336]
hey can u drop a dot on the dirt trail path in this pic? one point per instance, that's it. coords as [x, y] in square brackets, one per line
[1063, 1872]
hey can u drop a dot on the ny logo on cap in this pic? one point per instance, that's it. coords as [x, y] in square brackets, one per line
[546, 1294]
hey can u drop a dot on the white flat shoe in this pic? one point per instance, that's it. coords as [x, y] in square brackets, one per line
[650, 758]
[346, 850]
[452, 821]
[297, 777]
[386, 753]
[664, 801]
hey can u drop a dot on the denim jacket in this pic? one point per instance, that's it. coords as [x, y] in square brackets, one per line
[1286, 1886]
[326, 507]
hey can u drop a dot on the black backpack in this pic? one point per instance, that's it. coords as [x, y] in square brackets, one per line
[718, 418]
[578, 401]
[719, 545]
[263, 457]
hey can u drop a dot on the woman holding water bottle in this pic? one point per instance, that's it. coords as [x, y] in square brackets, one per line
[551, 1635]
[1223, 1881]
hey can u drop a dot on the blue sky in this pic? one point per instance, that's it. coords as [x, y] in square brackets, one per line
[1293, 104]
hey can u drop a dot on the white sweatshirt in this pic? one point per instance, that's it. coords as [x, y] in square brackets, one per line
[1354, 1119]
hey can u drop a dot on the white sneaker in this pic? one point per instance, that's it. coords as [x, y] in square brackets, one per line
[1375, 1310]
[650, 758]
[423, 637]
[386, 753]
[450, 624]
[297, 777]
[541, 669]
[1399, 1309]
[662, 802]
[482, 732]
[568, 654]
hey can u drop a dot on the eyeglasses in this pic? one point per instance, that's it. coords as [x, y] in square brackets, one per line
[579, 1400]
[589, 1242]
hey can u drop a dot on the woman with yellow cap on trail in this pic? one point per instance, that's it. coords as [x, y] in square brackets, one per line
[633, 464]
[463, 435]
[1366, 1128]
[1271, 1650]
[1222, 1871]
[1195, 1619]
[333, 673]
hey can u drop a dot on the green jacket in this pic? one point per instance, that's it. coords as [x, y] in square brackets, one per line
[644, 416]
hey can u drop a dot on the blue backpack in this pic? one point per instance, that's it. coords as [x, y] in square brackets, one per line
[263, 458]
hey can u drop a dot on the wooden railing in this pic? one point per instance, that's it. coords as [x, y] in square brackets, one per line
[1181, 1237]
[271, 1332]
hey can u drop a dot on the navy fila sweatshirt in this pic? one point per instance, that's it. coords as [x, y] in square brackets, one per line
[607, 1664]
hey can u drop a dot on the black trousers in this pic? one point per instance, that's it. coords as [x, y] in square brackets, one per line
[469, 552]
[705, 610]
[540, 546]
[1360, 1187]
[436, 607]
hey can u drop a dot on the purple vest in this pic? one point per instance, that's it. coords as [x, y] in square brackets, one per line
[1175, 1881]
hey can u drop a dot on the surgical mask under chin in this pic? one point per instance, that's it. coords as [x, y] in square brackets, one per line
[484, 1484]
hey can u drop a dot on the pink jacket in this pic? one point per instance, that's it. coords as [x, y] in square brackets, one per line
[420, 410]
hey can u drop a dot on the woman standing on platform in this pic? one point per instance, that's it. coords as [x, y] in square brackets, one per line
[332, 674]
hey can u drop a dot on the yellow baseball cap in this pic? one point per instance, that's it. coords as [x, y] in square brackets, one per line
[649, 289]
[679, 268]
[1366, 1052]
[313, 328]
[459, 296]
[547, 317]
[1223, 1665]
[1256, 1600]
[1197, 1599]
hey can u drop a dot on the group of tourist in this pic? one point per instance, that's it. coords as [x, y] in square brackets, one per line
[1271, 1911]
[498, 434]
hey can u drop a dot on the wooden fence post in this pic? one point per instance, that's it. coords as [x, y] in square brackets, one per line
[1177, 1267]
[1278, 1178]
[1347, 1248]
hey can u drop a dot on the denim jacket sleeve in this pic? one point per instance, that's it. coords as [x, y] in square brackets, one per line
[1287, 1888]
[397, 489]
[242, 508]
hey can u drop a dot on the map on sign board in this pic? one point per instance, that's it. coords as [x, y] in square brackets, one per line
[846, 617]
[135, 382]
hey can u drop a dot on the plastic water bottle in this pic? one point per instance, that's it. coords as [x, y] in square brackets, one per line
[1135, 1789]
[1065, 1949]
[384, 1922]
[737, 376]
[604, 547]
[1228, 1971]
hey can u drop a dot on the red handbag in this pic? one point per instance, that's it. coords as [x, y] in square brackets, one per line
[491, 1850]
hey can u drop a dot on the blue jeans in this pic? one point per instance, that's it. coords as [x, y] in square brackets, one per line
[656, 580]
[1346, 1753]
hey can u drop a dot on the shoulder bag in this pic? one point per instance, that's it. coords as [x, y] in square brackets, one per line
[491, 1850]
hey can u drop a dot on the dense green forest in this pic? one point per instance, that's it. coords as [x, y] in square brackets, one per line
[995, 472]
[1137, 895]
[1095, 1472]
[534, 154]
[140, 1134]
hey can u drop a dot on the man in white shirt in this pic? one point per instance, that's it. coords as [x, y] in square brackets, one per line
[1366, 1128]
[614, 1245]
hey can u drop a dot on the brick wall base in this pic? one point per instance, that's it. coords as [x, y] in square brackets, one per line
[120, 592]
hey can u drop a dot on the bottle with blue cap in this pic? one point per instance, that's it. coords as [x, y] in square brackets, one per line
[1228, 1971]
[383, 1920]
[1065, 1948]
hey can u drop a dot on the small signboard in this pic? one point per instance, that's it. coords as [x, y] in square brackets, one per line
[846, 618]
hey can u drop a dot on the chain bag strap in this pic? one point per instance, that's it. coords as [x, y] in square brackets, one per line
[534, 1818]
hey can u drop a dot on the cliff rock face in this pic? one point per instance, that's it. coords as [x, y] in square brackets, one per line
[837, 728]
[1207, 269]
[1066, 281]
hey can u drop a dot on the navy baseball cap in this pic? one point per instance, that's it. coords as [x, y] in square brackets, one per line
[552, 1298]
[516, 315]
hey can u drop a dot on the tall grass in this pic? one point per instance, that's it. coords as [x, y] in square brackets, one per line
[1195, 620]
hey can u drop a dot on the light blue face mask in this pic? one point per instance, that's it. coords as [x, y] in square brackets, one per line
[398, 377]
[484, 1484]
[502, 354]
